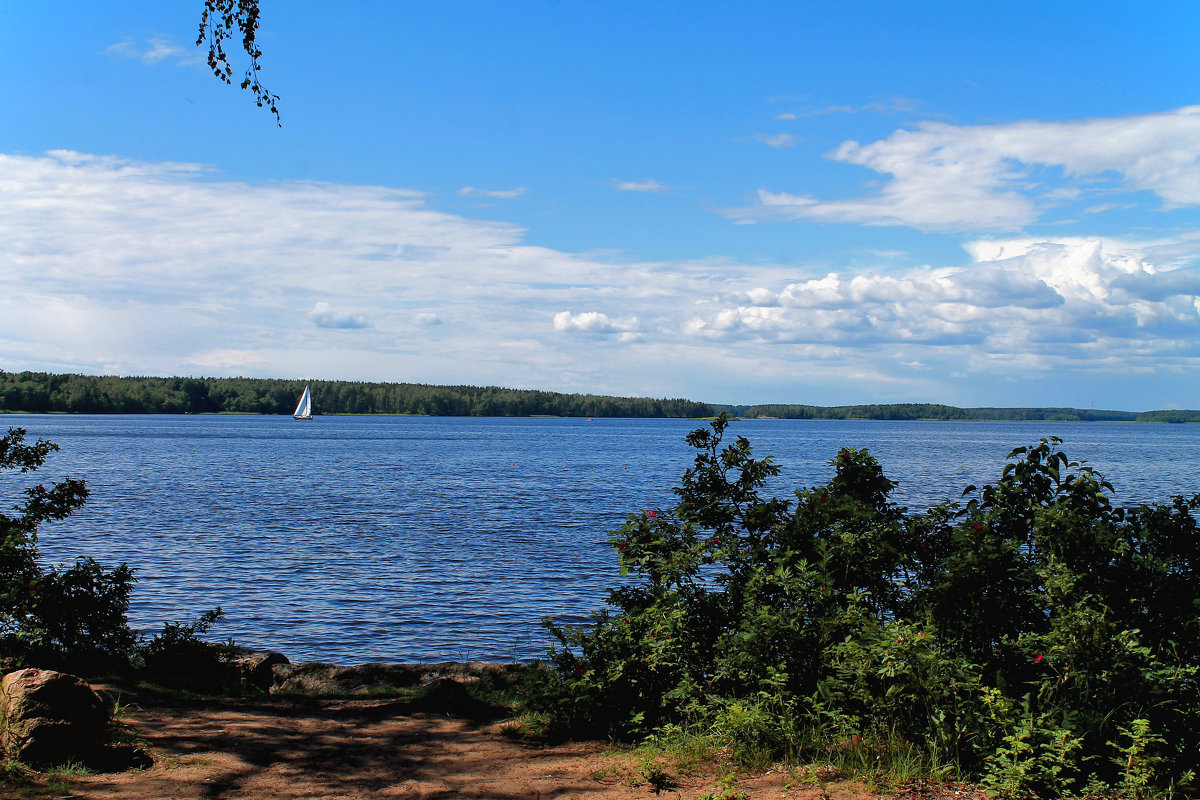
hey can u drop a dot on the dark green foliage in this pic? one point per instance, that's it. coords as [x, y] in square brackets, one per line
[1034, 636]
[179, 641]
[1178, 415]
[91, 394]
[58, 616]
[77, 618]
[934, 411]
[72, 618]
[177, 656]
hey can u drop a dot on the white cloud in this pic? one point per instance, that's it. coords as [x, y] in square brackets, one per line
[325, 316]
[897, 105]
[154, 50]
[785, 115]
[640, 186]
[838, 109]
[492, 194]
[776, 139]
[1020, 299]
[985, 177]
[1102, 207]
[159, 268]
[593, 322]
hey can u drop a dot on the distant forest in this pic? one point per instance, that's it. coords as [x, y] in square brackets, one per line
[92, 394]
[935, 411]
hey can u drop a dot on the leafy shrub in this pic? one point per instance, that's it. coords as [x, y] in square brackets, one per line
[65, 617]
[178, 656]
[71, 618]
[1033, 636]
[78, 619]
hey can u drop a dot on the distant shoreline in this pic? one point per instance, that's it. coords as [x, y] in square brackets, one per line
[42, 392]
[1143, 417]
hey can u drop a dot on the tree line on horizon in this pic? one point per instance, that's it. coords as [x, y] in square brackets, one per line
[43, 392]
[107, 394]
[937, 411]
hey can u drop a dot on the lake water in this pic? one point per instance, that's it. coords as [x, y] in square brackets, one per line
[352, 539]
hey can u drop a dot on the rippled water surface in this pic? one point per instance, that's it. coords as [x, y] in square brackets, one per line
[352, 539]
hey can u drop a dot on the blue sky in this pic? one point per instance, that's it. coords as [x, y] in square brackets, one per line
[977, 204]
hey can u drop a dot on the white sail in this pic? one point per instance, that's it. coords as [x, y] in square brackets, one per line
[304, 407]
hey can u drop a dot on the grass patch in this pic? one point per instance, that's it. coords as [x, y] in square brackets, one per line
[882, 762]
[16, 773]
[58, 779]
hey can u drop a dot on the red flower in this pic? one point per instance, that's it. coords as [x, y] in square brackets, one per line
[652, 513]
[856, 738]
[1038, 658]
[977, 526]
[621, 547]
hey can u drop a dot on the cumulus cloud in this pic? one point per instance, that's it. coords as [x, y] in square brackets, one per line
[990, 177]
[492, 194]
[1018, 298]
[325, 316]
[593, 322]
[640, 186]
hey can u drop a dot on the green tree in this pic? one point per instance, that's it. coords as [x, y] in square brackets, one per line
[56, 616]
[1034, 636]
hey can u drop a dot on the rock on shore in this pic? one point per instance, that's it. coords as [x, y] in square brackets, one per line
[49, 717]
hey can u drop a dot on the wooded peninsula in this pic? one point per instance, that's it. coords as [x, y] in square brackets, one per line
[42, 392]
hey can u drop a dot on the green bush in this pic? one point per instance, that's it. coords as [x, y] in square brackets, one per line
[177, 656]
[64, 617]
[1034, 636]
[71, 618]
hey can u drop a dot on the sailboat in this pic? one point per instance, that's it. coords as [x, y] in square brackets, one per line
[304, 407]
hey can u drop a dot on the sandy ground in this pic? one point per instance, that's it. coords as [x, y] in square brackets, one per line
[382, 748]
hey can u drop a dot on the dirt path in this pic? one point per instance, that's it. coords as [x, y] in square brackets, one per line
[324, 748]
